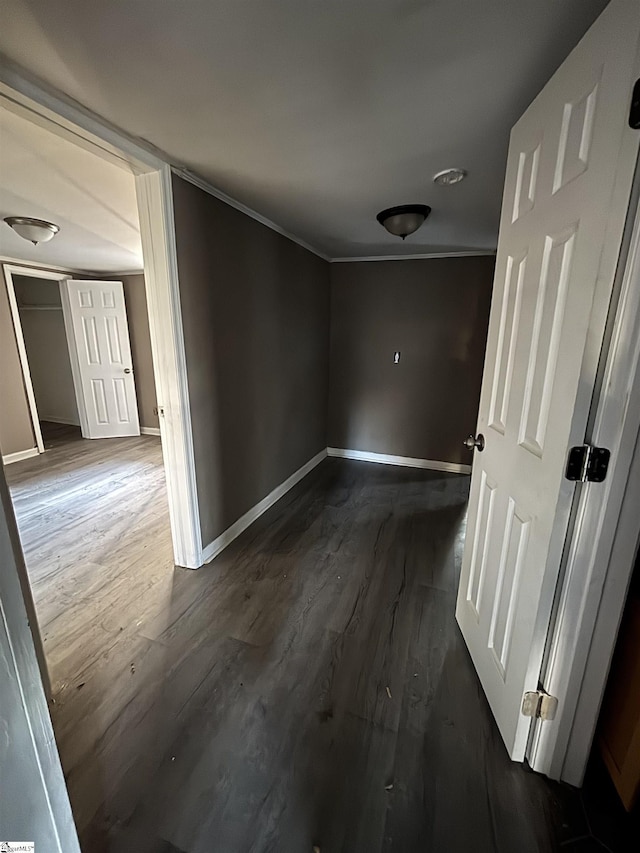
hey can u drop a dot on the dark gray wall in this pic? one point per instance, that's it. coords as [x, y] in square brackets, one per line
[255, 309]
[435, 312]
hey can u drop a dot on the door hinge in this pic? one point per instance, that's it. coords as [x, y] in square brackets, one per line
[587, 464]
[538, 704]
[634, 112]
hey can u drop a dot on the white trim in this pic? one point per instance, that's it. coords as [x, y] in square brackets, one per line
[605, 631]
[33, 272]
[36, 272]
[594, 585]
[18, 88]
[12, 102]
[226, 538]
[474, 253]
[5, 259]
[24, 663]
[70, 119]
[406, 461]
[157, 231]
[126, 272]
[149, 430]
[19, 455]
[204, 185]
[109, 141]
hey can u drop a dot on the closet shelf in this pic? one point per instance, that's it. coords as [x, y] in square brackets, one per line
[40, 307]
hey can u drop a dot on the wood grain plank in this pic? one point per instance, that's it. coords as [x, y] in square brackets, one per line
[309, 687]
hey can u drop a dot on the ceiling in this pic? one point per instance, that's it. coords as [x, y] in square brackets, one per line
[315, 113]
[92, 200]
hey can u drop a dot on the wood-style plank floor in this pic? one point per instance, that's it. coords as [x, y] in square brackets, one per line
[309, 687]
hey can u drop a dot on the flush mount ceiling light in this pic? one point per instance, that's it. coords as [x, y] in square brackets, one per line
[34, 230]
[403, 219]
[449, 177]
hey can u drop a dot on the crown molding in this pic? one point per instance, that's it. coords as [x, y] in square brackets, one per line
[204, 185]
[479, 253]
[22, 92]
[55, 110]
[64, 116]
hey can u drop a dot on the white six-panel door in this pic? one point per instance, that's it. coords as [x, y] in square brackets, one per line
[567, 185]
[96, 320]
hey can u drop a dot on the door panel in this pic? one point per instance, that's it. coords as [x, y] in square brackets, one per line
[560, 228]
[97, 322]
[507, 339]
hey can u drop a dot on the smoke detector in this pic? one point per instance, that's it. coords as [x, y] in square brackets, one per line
[449, 177]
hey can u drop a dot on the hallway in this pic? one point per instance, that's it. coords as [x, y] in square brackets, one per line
[310, 687]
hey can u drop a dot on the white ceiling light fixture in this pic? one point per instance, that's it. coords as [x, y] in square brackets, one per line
[34, 230]
[449, 177]
[403, 219]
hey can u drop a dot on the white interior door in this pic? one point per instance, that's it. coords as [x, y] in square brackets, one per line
[96, 321]
[567, 186]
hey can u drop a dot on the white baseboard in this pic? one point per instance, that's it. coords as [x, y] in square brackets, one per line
[226, 538]
[220, 543]
[20, 455]
[407, 461]
[149, 430]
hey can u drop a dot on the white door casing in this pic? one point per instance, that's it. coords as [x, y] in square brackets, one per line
[155, 207]
[567, 185]
[98, 333]
[598, 562]
[9, 271]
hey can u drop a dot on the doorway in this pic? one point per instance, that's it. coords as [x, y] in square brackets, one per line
[43, 331]
[90, 368]
[92, 511]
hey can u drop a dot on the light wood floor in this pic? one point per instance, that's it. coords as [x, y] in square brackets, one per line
[310, 687]
[94, 525]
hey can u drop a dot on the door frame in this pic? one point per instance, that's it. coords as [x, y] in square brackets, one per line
[23, 94]
[9, 270]
[561, 635]
[601, 547]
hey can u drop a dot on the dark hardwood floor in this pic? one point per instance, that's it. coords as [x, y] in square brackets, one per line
[309, 687]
